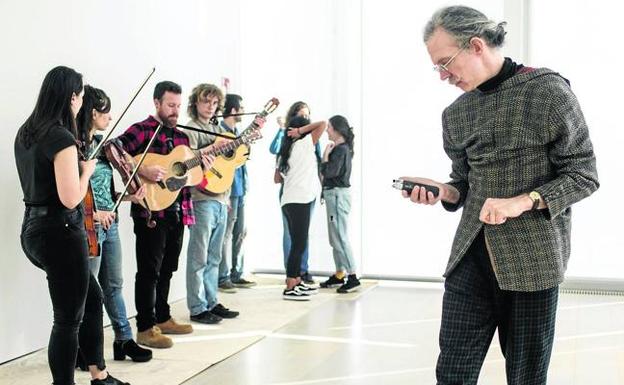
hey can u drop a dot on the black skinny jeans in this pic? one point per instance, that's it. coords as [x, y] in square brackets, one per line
[298, 217]
[157, 253]
[56, 243]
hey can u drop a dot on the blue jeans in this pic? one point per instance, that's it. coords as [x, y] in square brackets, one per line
[338, 205]
[286, 242]
[204, 255]
[107, 267]
[235, 234]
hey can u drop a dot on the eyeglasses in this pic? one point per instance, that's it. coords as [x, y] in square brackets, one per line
[444, 67]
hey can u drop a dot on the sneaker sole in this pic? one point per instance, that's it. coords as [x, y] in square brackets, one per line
[226, 317]
[332, 286]
[289, 298]
[205, 323]
[350, 290]
[155, 345]
[244, 285]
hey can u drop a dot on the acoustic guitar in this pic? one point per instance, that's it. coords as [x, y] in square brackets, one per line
[231, 154]
[183, 169]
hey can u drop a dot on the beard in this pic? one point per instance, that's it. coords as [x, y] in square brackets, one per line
[170, 120]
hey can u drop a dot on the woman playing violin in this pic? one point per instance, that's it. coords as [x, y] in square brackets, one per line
[95, 116]
[53, 234]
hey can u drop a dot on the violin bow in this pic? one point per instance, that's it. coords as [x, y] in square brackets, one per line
[99, 146]
[136, 169]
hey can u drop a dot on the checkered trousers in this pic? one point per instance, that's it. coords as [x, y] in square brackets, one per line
[474, 307]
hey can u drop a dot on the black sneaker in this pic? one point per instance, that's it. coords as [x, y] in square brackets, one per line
[333, 281]
[109, 380]
[351, 285]
[242, 282]
[227, 287]
[306, 289]
[307, 278]
[206, 318]
[295, 294]
[223, 312]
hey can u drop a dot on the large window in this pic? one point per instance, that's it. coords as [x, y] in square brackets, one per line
[582, 42]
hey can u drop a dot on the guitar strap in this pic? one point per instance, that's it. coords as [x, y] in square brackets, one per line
[206, 132]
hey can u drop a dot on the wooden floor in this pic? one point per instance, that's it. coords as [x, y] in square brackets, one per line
[385, 334]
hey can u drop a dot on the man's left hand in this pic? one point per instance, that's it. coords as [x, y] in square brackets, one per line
[496, 211]
[260, 121]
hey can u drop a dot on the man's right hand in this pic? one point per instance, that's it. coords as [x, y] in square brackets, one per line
[421, 196]
[153, 173]
[207, 160]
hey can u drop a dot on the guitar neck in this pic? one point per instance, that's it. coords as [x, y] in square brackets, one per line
[243, 138]
[192, 163]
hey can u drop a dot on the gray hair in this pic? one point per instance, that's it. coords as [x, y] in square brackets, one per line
[464, 23]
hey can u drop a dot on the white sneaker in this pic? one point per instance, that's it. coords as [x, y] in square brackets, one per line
[295, 294]
[306, 288]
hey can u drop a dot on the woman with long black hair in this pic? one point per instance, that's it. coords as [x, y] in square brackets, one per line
[336, 172]
[94, 117]
[298, 167]
[297, 109]
[53, 234]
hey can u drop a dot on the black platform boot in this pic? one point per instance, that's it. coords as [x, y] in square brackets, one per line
[129, 348]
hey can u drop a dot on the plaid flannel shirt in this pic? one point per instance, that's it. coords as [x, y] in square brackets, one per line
[134, 141]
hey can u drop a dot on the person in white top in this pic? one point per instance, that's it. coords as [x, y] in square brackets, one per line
[298, 167]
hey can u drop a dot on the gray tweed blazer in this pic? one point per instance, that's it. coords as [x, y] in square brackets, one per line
[527, 134]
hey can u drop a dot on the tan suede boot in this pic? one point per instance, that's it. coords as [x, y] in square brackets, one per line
[154, 339]
[172, 327]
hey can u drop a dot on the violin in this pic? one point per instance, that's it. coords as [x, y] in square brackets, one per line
[88, 204]
[124, 164]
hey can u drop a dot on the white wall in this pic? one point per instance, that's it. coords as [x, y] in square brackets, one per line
[361, 58]
[114, 47]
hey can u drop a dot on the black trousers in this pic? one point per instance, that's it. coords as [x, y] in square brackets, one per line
[157, 253]
[474, 307]
[298, 217]
[56, 243]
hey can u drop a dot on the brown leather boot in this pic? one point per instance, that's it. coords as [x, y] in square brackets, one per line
[154, 339]
[172, 327]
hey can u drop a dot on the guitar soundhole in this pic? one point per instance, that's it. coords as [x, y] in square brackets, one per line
[228, 154]
[179, 169]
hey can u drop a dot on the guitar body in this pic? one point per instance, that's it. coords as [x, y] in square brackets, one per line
[179, 174]
[232, 154]
[220, 176]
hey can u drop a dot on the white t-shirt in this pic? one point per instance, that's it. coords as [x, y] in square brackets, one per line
[301, 182]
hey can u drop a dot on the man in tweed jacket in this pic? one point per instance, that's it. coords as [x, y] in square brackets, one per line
[521, 156]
